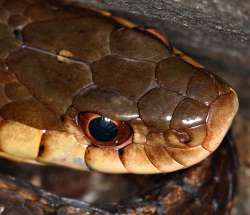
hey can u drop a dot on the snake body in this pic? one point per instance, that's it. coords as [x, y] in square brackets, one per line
[61, 67]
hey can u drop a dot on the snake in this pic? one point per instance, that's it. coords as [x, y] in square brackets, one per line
[88, 90]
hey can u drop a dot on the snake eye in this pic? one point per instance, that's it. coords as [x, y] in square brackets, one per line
[103, 131]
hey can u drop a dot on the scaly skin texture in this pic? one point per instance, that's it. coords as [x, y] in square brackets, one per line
[58, 61]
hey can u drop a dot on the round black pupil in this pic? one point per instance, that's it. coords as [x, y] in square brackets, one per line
[103, 129]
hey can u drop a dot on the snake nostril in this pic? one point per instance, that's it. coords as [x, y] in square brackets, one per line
[183, 136]
[177, 136]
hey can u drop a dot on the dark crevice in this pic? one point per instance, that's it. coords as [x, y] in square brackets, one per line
[18, 34]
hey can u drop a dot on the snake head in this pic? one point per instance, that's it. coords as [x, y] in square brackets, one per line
[106, 95]
[175, 124]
